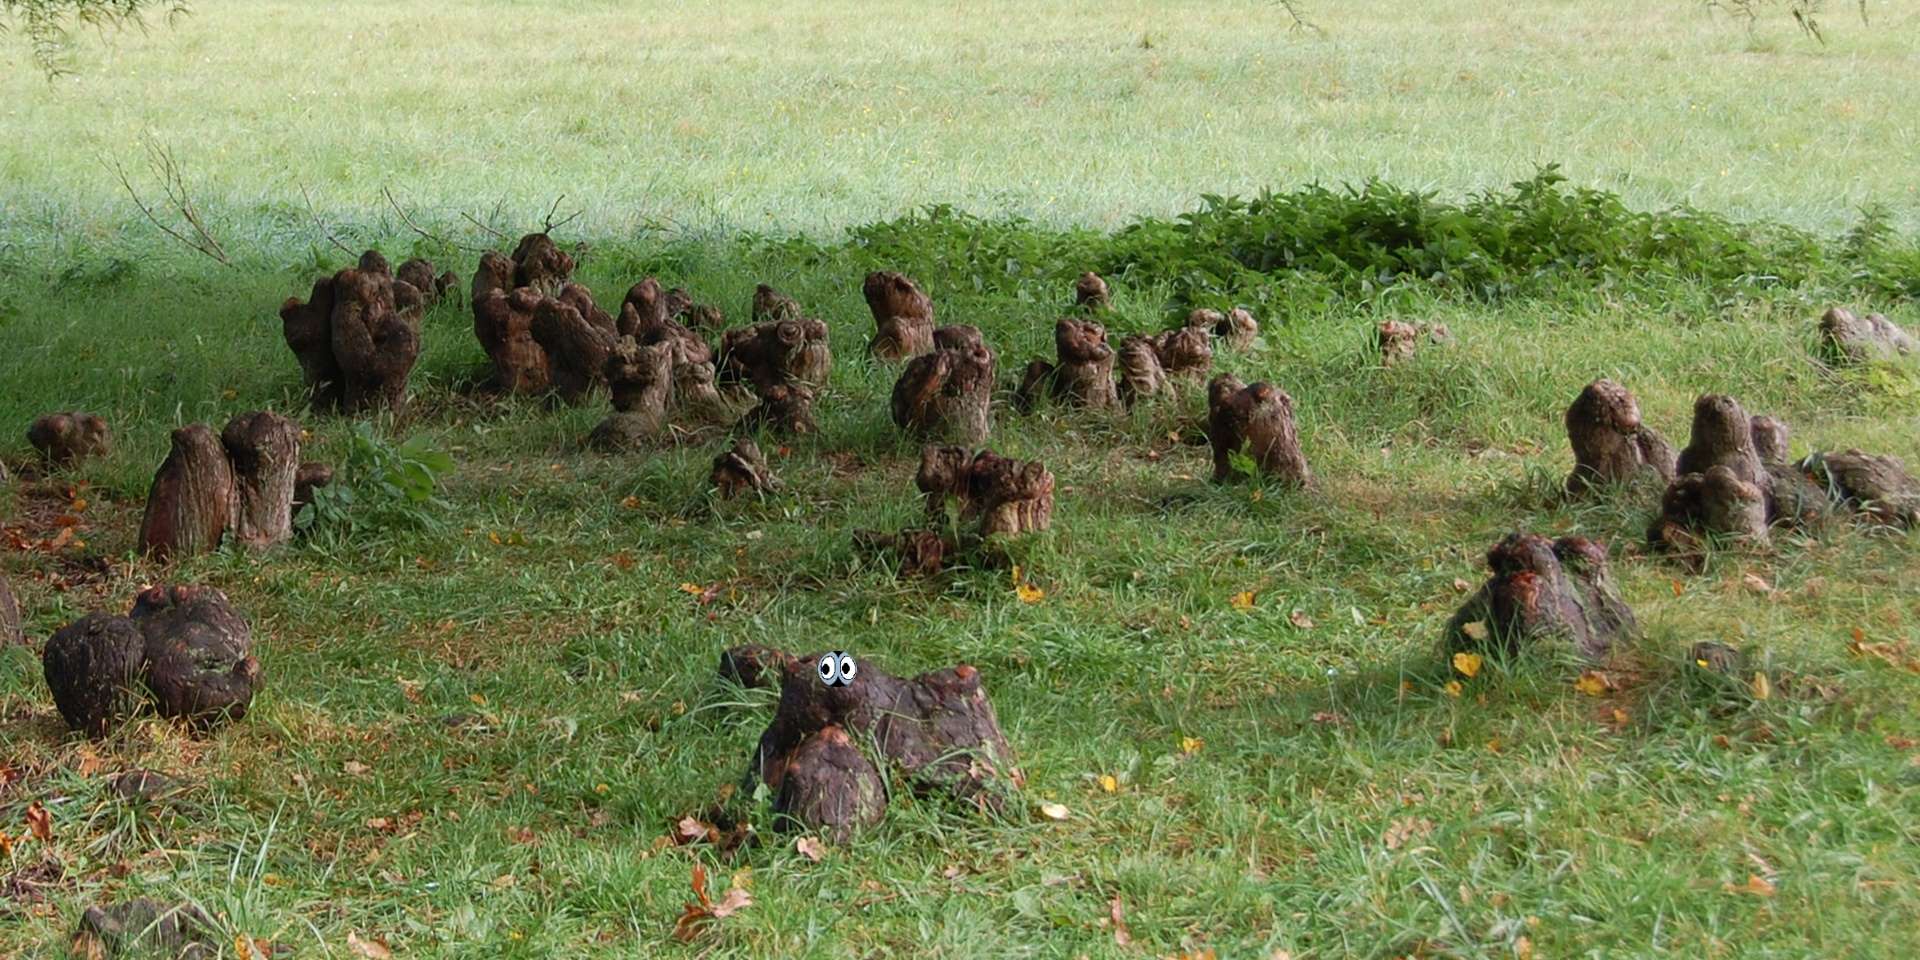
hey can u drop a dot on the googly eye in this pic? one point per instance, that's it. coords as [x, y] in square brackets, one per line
[847, 668]
[829, 669]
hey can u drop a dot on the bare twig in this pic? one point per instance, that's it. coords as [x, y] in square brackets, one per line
[416, 228]
[176, 190]
[1300, 22]
[470, 219]
[547, 224]
[323, 227]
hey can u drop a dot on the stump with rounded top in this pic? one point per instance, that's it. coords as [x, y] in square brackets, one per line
[946, 394]
[902, 316]
[65, 439]
[1610, 443]
[1004, 496]
[742, 468]
[1847, 339]
[1542, 590]
[1256, 420]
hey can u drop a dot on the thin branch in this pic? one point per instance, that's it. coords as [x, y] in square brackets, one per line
[470, 219]
[206, 245]
[175, 184]
[547, 224]
[1300, 22]
[323, 227]
[416, 228]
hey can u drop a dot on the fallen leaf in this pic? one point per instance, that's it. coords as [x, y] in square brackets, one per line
[1475, 630]
[631, 503]
[1121, 935]
[1191, 745]
[1757, 585]
[1756, 885]
[1109, 784]
[736, 899]
[1762, 687]
[1678, 587]
[1242, 600]
[369, 949]
[1299, 619]
[1593, 683]
[623, 560]
[953, 871]
[6, 845]
[1028, 593]
[1468, 664]
[1523, 948]
[1055, 811]
[692, 830]
[505, 881]
[810, 848]
[39, 822]
[1405, 829]
[1461, 586]
[1454, 688]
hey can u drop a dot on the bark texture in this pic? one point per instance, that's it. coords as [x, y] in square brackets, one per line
[1090, 293]
[1005, 496]
[357, 337]
[65, 439]
[264, 451]
[245, 483]
[1877, 487]
[1848, 339]
[902, 316]
[742, 468]
[1611, 444]
[1543, 590]
[1082, 375]
[946, 394]
[182, 650]
[1257, 420]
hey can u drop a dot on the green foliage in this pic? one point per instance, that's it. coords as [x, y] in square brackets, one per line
[380, 487]
[47, 23]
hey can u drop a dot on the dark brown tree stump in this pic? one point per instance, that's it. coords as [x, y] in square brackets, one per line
[182, 648]
[1082, 375]
[946, 394]
[357, 337]
[959, 336]
[1236, 328]
[1847, 339]
[264, 452]
[1715, 504]
[1793, 498]
[418, 273]
[641, 382]
[1543, 590]
[1610, 443]
[95, 667]
[576, 346]
[1256, 420]
[703, 316]
[1185, 354]
[1770, 439]
[783, 409]
[742, 468]
[918, 553]
[754, 666]
[1722, 435]
[65, 439]
[938, 729]
[200, 666]
[1141, 375]
[772, 306]
[193, 498]
[10, 632]
[309, 477]
[539, 263]
[777, 352]
[1005, 496]
[142, 928]
[503, 323]
[646, 316]
[1878, 487]
[902, 316]
[1090, 293]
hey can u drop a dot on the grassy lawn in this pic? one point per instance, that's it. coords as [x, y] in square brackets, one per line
[475, 739]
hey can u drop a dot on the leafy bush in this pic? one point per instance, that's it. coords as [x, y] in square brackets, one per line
[380, 486]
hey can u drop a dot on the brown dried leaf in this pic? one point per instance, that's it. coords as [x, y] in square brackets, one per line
[1406, 829]
[1299, 619]
[1121, 935]
[811, 848]
[369, 949]
[736, 899]
[1756, 885]
[39, 822]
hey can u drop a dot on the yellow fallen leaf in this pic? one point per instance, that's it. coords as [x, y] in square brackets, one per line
[1191, 744]
[1468, 664]
[692, 588]
[1762, 687]
[1028, 593]
[1453, 688]
[631, 503]
[1109, 784]
[1055, 811]
[1756, 885]
[1593, 684]
[1242, 600]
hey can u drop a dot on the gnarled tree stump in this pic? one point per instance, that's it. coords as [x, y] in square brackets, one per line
[1847, 339]
[753, 665]
[1090, 293]
[65, 439]
[1152, 364]
[742, 468]
[776, 352]
[902, 316]
[182, 649]
[1236, 328]
[503, 323]
[1083, 373]
[1399, 341]
[1878, 486]
[577, 337]
[1716, 503]
[641, 380]
[1541, 590]
[919, 553]
[309, 477]
[946, 394]
[1141, 375]
[1005, 496]
[1610, 443]
[143, 928]
[244, 481]
[938, 729]
[1257, 420]
[418, 273]
[356, 337]
[539, 263]
[772, 306]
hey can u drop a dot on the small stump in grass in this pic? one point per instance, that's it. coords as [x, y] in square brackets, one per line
[242, 483]
[916, 553]
[1399, 342]
[742, 468]
[182, 650]
[1158, 364]
[65, 439]
[1090, 293]
[1610, 443]
[1005, 496]
[902, 317]
[1543, 590]
[1848, 339]
[356, 337]
[1256, 421]
[1082, 375]
[947, 393]
[938, 730]
[1236, 328]
[143, 927]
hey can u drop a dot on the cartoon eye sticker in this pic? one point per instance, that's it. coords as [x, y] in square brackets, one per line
[836, 668]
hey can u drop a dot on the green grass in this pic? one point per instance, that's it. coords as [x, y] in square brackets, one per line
[551, 605]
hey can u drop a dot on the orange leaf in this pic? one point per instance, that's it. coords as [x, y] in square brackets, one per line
[1756, 885]
[369, 949]
[811, 848]
[39, 822]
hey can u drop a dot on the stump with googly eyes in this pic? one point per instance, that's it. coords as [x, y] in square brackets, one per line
[842, 723]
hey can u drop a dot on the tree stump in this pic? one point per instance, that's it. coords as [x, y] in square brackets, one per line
[503, 323]
[768, 353]
[577, 343]
[264, 452]
[946, 394]
[1722, 435]
[1153, 364]
[647, 316]
[640, 380]
[418, 273]
[309, 477]
[539, 263]
[1141, 375]
[1847, 339]
[357, 337]
[143, 927]
[65, 439]
[959, 336]
[938, 729]
[192, 500]
[1090, 293]
[919, 553]
[1006, 496]
[783, 409]
[1256, 420]
[1083, 373]
[1713, 504]
[742, 468]
[754, 666]
[902, 317]
[10, 632]
[1399, 341]
[183, 649]
[772, 306]
[1236, 328]
[1877, 486]
[245, 481]
[1542, 590]
[1610, 443]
